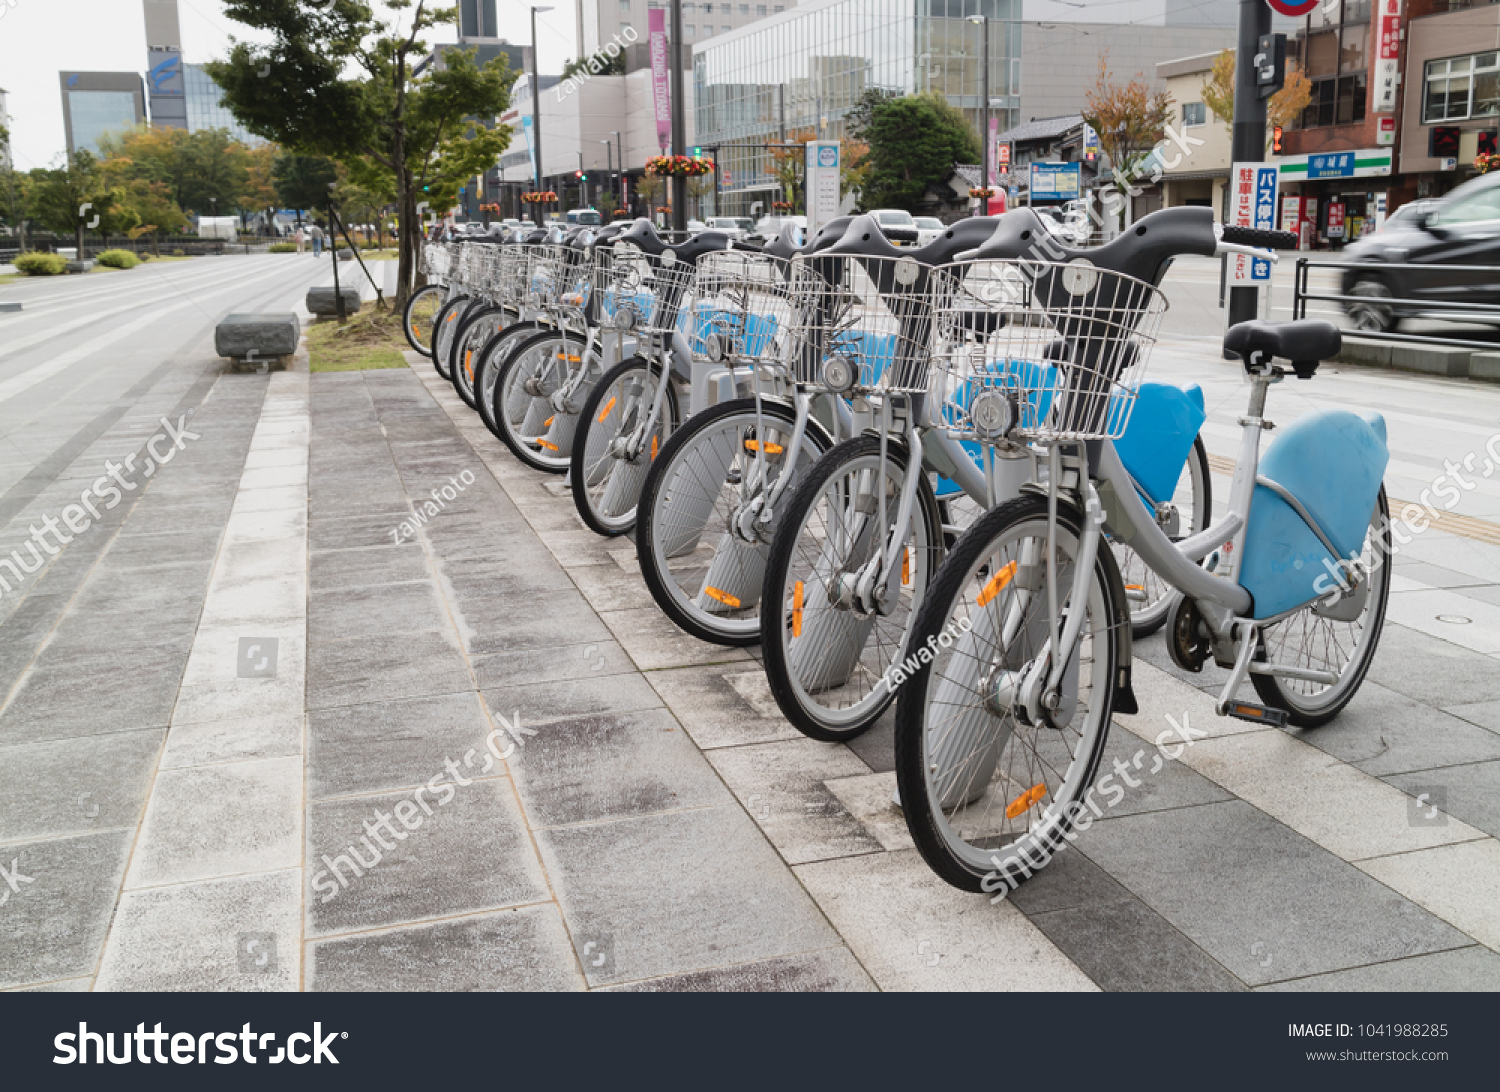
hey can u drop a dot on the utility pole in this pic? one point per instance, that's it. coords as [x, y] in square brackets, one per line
[984, 107]
[1248, 136]
[536, 110]
[679, 126]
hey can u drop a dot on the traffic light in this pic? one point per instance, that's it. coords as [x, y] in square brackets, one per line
[1276, 140]
[697, 152]
[578, 175]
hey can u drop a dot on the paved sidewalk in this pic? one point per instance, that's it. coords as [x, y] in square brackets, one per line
[336, 818]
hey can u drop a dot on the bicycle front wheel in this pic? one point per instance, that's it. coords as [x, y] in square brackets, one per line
[422, 308]
[991, 786]
[533, 428]
[487, 366]
[1338, 637]
[444, 329]
[607, 479]
[703, 564]
[474, 330]
[828, 656]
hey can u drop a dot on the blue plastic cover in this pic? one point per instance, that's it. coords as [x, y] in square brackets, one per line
[1160, 435]
[1333, 462]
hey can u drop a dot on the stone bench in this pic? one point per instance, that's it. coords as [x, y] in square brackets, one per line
[80, 267]
[269, 339]
[1485, 366]
[322, 301]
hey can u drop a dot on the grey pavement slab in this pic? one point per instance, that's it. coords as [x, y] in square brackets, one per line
[583, 696]
[617, 766]
[390, 745]
[501, 670]
[825, 971]
[76, 786]
[711, 704]
[368, 669]
[52, 927]
[369, 528]
[1384, 732]
[526, 949]
[1431, 670]
[385, 611]
[684, 891]
[1471, 969]
[46, 705]
[471, 853]
[1243, 887]
[237, 934]
[367, 567]
[200, 743]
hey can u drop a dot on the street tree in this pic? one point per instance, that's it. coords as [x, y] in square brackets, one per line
[335, 79]
[787, 163]
[304, 182]
[1130, 120]
[152, 207]
[914, 142]
[1283, 108]
[205, 171]
[75, 197]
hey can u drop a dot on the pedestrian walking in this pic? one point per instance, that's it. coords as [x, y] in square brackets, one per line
[317, 240]
[301, 240]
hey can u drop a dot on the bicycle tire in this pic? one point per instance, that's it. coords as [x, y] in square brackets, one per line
[618, 484]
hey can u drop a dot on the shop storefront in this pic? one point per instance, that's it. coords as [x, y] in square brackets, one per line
[1331, 198]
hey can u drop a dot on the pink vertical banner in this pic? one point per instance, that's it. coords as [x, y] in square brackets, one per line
[994, 151]
[660, 95]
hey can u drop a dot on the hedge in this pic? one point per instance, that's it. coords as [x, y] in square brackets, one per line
[37, 263]
[119, 259]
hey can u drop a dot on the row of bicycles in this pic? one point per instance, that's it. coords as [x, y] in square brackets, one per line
[934, 478]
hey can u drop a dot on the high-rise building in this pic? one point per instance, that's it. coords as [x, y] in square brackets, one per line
[476, 19]
[95, 103]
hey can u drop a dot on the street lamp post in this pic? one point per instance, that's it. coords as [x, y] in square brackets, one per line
[984, 104]
[609, 162]
[536, 110]
[620, 157]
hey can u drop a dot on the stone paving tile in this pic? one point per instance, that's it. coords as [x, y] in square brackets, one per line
[384, 611]
[652, 641]
[198, 936]
[76, 786]
[367, 567]
[1486, 714]
[369, 669]
[870, 798]
[209, 821]
[824, 971]
[1462, 970]
[52, 927]
[551, 619]
[1468, 792]
[354, 532]
[590, 695]
[46, 705]
[499, 670]
[710, 703]
[685, 891]
[159, 551]
[526, 949]
[615, 766]
[782, 786]
[1457, 883]
[1126, 946]
[1070, 881]
[1383, 732]
[1433, 671]
[390, 745]
[1231, 878]
[912, 931]
[1425, 612]
[233, 740]
[471, 853]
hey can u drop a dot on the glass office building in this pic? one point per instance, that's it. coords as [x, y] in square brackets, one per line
[801, 71]
[205, 110]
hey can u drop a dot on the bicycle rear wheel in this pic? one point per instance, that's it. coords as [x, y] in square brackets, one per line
[826, 661]
[703, 567]
[421, 311]
[989, 793]
[1338, 637]
[1187, 513]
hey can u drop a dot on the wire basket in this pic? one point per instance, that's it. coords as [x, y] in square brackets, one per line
[560, 278]
[741, 305]
[1063, 344]
[859, 323]
[435, 262]
[637, 291]
[513, 278]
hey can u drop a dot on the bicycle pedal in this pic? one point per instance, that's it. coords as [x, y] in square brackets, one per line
[1256, 714]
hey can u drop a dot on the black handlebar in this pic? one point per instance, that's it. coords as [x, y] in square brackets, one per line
[1257, 237]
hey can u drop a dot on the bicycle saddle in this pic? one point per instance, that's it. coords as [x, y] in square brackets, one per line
[785, 244]
[1305, 343]
[610, 232]
[578, 237]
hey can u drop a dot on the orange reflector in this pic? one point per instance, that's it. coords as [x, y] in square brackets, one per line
[1135, 587]
[469, 363]
[653, 449]
[548, 445]
[608, 406]
[1026, 799]
[906, 566]
[770, 449]
[1249, 711]
[997, 584]
[453, 316]
[723, 597]
[548, 422]
[797, 609]
[569, 359]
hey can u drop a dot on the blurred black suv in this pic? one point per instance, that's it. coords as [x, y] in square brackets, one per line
[1462, 229]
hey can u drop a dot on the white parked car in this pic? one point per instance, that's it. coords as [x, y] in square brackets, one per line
[898, 225]
[695, 226]
[736, 227]
[929, 229]
[768, 228]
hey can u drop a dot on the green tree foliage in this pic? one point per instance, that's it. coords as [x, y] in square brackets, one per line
[914, 142]
[303, 181]
[76, 197]
[155, 212]
[206, 172]
[860, 116]
[334, 79]
[600, 64]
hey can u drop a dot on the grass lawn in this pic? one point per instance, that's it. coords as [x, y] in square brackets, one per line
[386, 255]
[371, 339]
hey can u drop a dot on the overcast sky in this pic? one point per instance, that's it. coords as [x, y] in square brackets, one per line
[40, 38]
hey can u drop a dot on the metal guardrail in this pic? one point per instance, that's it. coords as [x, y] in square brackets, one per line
[1442, 310]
